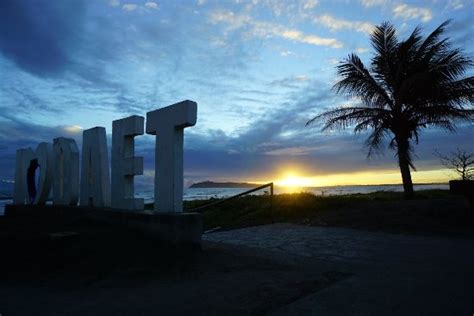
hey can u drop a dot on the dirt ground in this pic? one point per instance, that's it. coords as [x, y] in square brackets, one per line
[103, 270]
[107, 270]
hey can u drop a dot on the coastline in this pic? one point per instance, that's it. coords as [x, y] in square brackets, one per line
[191, 194]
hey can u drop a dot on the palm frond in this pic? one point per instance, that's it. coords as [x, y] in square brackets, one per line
[375, 140]
[341, 118]
[357, 81]
[385, 42]
[432, 42]
[450, 64]
[384, 38]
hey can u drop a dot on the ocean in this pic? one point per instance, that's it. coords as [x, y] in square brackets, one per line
[207, 193]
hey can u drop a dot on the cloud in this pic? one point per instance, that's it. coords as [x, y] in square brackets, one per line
[294, 11]
[274, 141]
[279, 138]
[119, 64]
[362, 50]
[373, 3]
[231, 19]
[129, 7]
[151, 5]
[216, 156]
[310, 4]
[249, 125]
[278, 7]
[16, 134]
[292, 151]
[114, 3]
[335, 24]
[284, 118]
[27, 39]
[409, 13]
[262, 29]
[298, 36]
[455, 4]
[290, 82]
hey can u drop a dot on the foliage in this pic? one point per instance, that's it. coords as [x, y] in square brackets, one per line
[254, 210]
[410, 85]
[461, 161]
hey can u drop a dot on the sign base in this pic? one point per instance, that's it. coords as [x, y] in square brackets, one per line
[174, 229]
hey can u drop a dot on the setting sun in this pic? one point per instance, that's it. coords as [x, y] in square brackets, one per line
[293, 180]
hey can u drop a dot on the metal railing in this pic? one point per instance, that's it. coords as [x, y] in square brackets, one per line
[204, 207]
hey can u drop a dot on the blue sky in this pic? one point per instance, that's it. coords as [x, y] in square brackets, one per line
[257, 69]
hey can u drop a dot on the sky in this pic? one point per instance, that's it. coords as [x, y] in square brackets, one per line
[257, 69]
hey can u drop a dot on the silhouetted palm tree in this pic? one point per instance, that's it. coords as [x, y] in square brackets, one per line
[411, 85]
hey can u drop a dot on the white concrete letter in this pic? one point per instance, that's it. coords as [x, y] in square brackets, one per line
[45, 158]
[20, 189]
[66, 171]
[27, 161]
[95, 180]
[168, 124]
[124, 163]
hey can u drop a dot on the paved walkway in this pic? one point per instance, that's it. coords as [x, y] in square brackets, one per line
[393, 274]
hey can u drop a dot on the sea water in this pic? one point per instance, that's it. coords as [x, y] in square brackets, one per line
[207, 193]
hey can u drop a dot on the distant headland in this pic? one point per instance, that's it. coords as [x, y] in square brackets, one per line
[211, 184]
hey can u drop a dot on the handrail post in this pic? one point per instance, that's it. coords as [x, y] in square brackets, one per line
[201, 208]
[271, 203]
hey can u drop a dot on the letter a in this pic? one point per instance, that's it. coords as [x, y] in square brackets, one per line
[95, 180]
[66, 171]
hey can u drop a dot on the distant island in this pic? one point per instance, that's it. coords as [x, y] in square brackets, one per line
[211, 184]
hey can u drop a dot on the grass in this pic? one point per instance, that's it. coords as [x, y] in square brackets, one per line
[429, 212]
[255, 210]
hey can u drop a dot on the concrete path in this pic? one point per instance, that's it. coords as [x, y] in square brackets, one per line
[393, 274]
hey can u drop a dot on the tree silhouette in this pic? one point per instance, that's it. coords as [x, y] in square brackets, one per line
[461, 161]
[410, 85]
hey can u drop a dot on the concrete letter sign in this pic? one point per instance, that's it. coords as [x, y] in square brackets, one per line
[124, 164]
[20, 190]
[27, 161]
[45, 161]
[66, 171]
[59, 164]
[168, 124]
[95, 181]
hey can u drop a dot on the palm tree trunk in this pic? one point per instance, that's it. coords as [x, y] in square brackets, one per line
[403, 162]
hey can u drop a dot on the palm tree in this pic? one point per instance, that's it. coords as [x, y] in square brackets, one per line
[410, 85]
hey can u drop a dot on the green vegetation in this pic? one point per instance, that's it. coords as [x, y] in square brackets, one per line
[256, 210]
[430, 211]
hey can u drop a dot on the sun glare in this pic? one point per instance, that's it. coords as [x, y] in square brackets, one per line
[295, 181]
[74, 129]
